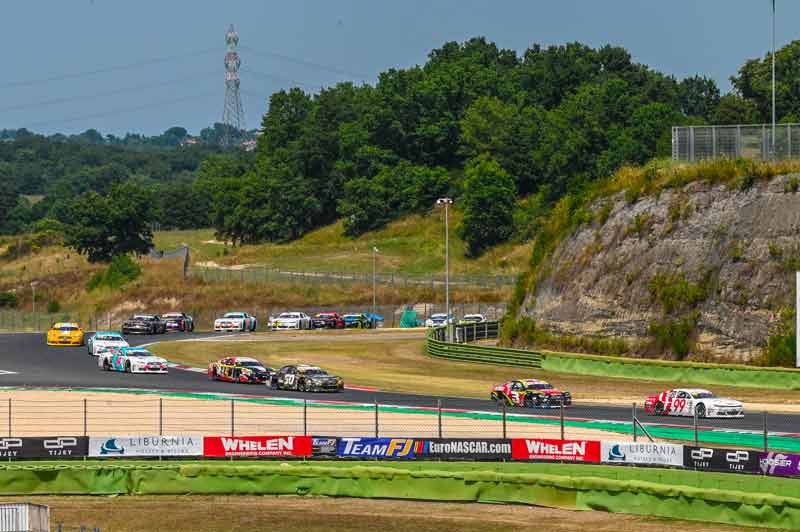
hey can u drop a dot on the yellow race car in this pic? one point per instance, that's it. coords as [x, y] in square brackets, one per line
[65, 334]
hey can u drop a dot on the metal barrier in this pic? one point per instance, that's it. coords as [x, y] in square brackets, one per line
[694, 143]
[438, 346]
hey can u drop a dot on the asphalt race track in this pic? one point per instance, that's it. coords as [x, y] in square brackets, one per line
[25, 360]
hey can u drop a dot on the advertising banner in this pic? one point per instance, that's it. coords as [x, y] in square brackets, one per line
[469, 449]
[725, 460]
[114, 446]
[665, 454]
[55, 446]
[546, 449]
[323, 446]
[403, 448]
[779, 464]
[252, 446]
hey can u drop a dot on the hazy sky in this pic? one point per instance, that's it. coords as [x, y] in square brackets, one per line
[160, 62]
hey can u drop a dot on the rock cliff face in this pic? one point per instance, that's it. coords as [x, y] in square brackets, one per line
[738, 249]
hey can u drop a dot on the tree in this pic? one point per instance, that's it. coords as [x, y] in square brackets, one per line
[488, 203]
[733, 109]
[699, 96]
[104, 227]
[754, 82]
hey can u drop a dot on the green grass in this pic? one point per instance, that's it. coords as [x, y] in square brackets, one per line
[411, 245]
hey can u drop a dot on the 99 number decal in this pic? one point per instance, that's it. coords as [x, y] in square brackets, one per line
[679, 404]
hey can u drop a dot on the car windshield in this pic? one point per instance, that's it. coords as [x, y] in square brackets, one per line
[145, 318]
[108, 338]
[251, 364]
[324, 315]
[703, 395]
[234, 315]
[314, 371]
[540, 386]
[172, 316]
[139, 353]
[67, 328]
[438, 317]
[289, 315]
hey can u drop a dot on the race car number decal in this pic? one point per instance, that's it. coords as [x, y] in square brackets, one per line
[679, 404]
[288, 379]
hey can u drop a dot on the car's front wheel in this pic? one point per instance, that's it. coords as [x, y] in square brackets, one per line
[528, 402]
[659, 409]
[700, 410]
[128, 367]
[106, 367]
[302, 386]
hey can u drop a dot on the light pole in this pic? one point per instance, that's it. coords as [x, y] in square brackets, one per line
[774, 154]
[446, 202]
[374, 297]
[33, 287]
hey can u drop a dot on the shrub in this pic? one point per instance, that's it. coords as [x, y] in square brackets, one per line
[781, 344]
[53, 306]
[675, 293]
[8, 299]
[775, 250]
[792, 185]
[674, 335]
[120, 272]
[640, 225]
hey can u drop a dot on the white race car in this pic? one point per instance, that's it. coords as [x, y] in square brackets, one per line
[439, 320]
[235, 321]
[131, 360]
[291, 320]
[103, 340]
[691, 401]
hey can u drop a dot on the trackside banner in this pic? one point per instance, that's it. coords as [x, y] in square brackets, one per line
[546, 449]
[402, 448]
[725, 460]
[470, 449]
[51, 446]
[323, 446]
[111, 446]
[666, 454]
[779, 464]
[275, 446]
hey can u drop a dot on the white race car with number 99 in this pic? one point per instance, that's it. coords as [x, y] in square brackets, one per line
[690, 402]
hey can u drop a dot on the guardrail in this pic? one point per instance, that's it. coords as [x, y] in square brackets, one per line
[438, 346]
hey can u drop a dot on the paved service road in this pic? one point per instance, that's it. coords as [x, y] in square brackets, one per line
[38, 365]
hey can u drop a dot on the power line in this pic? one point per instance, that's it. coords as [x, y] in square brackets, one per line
[303, 62]
[112, 92]
[273, 77]
[76, 75]
[151, 105]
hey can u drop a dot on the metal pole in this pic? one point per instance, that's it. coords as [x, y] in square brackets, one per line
[696, 439]
[562, 419]
[447, 267]
[376, 418]
[633, 420]
[233, 420]
[504, 419]
[774, 154]
[439, 408]
[85, 418]
[9, 417]
[160, 416]
[305, 417]
[766, 434]
[374, 297]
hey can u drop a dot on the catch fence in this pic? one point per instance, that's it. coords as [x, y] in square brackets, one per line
[695, 143]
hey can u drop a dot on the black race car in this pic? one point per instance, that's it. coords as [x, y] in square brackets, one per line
[305, 378]
[144, 324]
[178, 321]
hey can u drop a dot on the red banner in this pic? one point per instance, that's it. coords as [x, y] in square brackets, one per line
[566, 450]
[257, 446]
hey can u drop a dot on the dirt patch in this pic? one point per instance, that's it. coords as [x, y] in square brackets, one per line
[52, 413]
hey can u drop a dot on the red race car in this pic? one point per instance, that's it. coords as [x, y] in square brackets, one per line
[530, 393]
[240, 369]
[327, 320]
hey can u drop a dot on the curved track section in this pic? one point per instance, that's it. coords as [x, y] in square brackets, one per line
[25, 360]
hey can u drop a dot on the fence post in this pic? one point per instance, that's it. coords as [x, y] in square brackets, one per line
[633, 420]
[376, 418]
[439, 408]
[504, 420]
[696, 439]
[305, 417]
[766, 434]
[562, 418]
[9, 417]
[233, 418]
[85, 417]
[160, 416]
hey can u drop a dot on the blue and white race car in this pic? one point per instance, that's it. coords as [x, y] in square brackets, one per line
[131, 360]
[105, 340]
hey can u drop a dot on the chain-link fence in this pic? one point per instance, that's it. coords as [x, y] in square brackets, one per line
[695, 143]
[17, 320]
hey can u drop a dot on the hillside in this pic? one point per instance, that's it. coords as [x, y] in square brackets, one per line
[694, 261]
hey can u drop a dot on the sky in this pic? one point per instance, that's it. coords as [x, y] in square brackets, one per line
[144, 66]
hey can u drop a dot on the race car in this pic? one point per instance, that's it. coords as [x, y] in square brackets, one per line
[469, 319]
[105, 340]
[178, 321]
[691, 401]
[291, 320]
[131, 360]
[235, 321]
[438, 320]
[65, 334]
[357, 321]
[530, 393]
[240, 369]
[327, 320]
[144, 324]
[306, 378]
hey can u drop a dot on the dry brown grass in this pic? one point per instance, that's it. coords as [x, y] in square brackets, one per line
[194, 513]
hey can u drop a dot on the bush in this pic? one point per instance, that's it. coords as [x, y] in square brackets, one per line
[120, 272]
[781, 344]
[674, 335]
[8, 299]
[674, 292]
[53, 306]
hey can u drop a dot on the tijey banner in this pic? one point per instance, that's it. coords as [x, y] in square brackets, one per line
[725, 460]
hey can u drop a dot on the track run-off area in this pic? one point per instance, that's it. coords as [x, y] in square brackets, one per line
[27, 362]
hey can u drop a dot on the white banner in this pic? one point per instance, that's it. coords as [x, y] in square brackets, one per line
[669, 454]
[116, 446]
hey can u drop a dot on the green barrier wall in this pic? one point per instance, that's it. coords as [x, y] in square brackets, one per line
[628, 368]
[554, 489]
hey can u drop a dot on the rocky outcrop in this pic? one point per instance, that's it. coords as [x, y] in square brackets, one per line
[740, 248]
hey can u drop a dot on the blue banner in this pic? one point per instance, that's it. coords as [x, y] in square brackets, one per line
[403, 448]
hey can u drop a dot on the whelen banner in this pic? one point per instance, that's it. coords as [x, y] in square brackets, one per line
[546, 449]
[664, 454]
[275, 446]
[467, 449]
[116, 446]
[779, 464]
[725, 460]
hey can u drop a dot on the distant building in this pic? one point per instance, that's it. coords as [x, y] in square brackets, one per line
[249, 145]
[190, 141]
